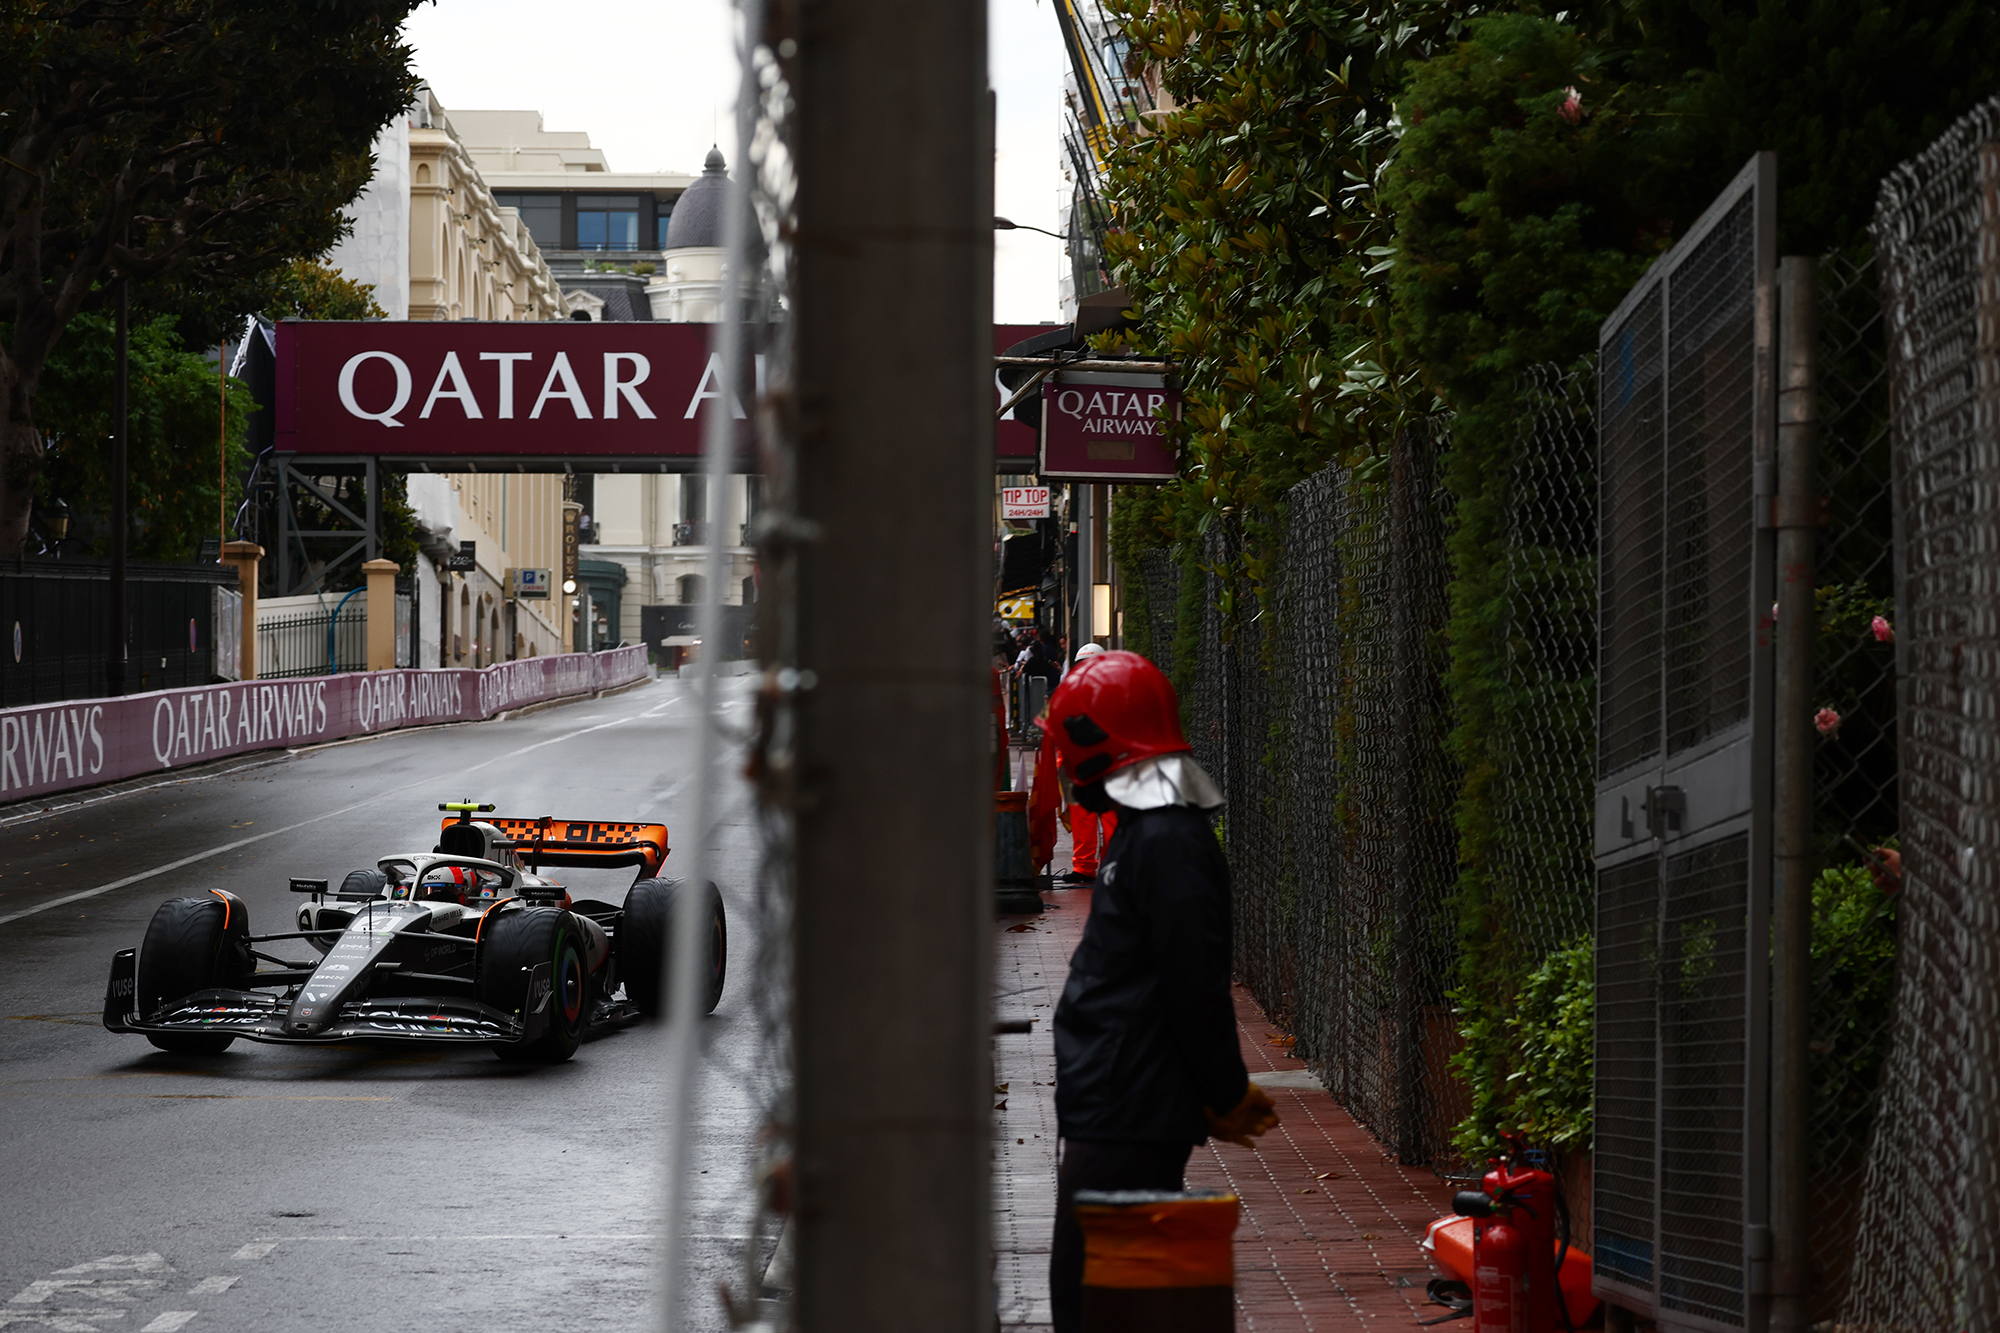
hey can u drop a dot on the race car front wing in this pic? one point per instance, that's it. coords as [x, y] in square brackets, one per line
[261, 1017]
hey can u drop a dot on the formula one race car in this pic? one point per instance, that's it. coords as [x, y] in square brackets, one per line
[465, 943]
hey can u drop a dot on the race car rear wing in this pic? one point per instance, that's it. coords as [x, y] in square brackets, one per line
[584, 842]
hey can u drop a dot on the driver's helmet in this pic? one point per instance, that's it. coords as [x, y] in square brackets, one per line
[449, 884]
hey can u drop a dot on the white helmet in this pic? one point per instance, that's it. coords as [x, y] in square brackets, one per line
[1088, 650]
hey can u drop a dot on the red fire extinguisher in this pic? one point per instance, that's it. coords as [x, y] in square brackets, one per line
[1500, 1290]
[1514, 1248]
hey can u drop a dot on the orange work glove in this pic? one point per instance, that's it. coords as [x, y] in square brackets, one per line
[1253, 1116]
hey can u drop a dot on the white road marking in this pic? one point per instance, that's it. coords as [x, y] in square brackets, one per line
[63, 807]
[121, 1263]
[256, 1249]
[98, 1289]
[63, 1321]
[170, 1322]
[430, 781]
[473, 1238]
[211, 1286]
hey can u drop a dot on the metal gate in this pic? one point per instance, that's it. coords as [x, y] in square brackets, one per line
[1687, 415]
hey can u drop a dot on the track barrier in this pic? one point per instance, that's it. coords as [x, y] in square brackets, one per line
[85, 742]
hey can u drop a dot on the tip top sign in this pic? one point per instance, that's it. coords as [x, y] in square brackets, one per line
[1024, 502]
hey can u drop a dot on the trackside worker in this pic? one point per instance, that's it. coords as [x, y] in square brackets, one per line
[1147, 1061]
[1089, 833]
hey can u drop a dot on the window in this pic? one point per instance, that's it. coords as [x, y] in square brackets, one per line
[692, 530]
[607, 222]
[660, 240]
[542, 214]
[692, 590]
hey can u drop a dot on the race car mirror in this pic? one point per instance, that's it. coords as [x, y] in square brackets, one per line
[312, 886]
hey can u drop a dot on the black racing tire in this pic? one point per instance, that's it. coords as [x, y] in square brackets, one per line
[642, 943]
[191, 945]
[513, 946]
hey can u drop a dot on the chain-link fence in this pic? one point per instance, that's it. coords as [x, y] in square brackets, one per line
[1319, 703]
[1930, 1196]
[1854, 765]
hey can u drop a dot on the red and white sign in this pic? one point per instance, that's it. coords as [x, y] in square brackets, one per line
[499, 392]
[56, 747]
[1106, 427]
[1024, 502]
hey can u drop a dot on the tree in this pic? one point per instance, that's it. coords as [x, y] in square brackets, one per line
[175, 471]
[169, 144]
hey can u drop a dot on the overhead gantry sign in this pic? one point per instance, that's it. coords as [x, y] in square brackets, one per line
[523, 396]
[503, 395]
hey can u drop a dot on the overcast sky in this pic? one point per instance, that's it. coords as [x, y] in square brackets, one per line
[653, 84]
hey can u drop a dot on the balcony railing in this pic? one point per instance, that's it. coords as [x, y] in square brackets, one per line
[691, 534]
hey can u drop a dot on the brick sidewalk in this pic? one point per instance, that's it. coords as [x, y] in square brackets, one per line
[1330, 1227]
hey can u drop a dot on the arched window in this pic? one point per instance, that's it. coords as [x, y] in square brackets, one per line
[423, 173]
[694, 590]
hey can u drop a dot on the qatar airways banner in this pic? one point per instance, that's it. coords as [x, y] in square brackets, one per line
[499, 392]
[522, 394]
[1108, 427]
[55, 747]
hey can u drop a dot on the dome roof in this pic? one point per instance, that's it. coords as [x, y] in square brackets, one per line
[697, 215]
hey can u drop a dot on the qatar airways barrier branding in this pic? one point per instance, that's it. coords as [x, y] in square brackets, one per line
[55, 747]
[561, 390]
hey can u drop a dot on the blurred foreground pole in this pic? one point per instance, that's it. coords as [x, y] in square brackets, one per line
[893, 326]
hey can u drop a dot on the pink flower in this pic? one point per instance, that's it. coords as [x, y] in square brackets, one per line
[1883, 631]
[1572, 108]
[1827, 721]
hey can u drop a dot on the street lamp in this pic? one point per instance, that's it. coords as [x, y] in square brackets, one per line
[569, 586]
[1008, 224]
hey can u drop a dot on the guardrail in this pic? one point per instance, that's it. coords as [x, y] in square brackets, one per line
[59, 747]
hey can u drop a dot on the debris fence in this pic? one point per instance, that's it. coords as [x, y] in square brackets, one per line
[1929, 1197]
[1319, 704]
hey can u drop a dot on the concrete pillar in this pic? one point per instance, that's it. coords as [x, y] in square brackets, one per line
[381, 613]
[245, 555]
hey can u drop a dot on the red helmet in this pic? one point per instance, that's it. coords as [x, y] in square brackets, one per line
[1112, 710]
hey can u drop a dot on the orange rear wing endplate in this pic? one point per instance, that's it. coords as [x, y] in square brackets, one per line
[585, 842]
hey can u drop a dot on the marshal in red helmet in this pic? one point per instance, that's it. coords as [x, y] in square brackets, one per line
[1147, 1060]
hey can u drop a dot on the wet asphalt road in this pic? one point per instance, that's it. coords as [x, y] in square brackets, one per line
[276, 1188]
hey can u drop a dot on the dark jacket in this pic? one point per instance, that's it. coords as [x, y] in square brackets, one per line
[1146, 1031]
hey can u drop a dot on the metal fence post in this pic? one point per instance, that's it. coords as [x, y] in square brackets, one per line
[116, 659]
[1795, 516]
[1406, 660]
